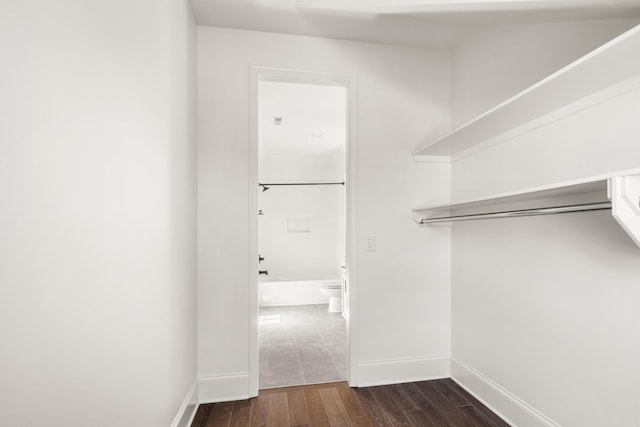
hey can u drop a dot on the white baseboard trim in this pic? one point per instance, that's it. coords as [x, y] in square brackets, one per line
[508, 406]
[188, 409]
[224, 388]
[395, 371]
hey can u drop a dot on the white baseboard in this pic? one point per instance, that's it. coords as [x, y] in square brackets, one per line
[188, 409]
[509, 407]
[224, 388]
[395, 371]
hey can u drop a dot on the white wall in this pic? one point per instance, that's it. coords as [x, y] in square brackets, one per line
[302, 255]
[97, 224]
[496, 62]
[300, 168]
[402, 99]
[294, 254]
[543, 307]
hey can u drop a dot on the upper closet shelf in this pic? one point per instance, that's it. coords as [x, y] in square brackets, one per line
[605, 73]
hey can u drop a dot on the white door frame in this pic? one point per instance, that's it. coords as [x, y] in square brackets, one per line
[256, 75]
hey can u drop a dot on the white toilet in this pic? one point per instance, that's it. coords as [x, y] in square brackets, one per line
[333, 289]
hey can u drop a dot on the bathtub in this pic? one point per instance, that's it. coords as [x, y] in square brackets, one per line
[280, 291]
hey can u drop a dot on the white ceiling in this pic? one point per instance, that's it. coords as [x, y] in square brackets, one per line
[313, 118]
[421, 23]
[282, 16]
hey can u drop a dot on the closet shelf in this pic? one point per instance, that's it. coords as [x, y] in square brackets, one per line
[619, 192]
[605, 73]
[530, 195]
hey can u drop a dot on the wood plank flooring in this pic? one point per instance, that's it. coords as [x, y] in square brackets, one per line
[439, 403]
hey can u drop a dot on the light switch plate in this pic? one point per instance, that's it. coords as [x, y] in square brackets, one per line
[371, 244]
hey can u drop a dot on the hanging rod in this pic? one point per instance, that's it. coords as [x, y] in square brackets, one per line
[265, 187]
[517, 213]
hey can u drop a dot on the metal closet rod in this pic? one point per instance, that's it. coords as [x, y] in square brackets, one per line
[553, 210]
[266, 186]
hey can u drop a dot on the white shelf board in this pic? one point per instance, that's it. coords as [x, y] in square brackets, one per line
[622, 189]
[574, 187]
[592, 79]
[539, 193]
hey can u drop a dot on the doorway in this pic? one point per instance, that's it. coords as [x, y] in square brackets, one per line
[300, 234]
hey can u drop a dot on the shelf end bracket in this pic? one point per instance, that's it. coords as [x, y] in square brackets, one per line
[624, 192]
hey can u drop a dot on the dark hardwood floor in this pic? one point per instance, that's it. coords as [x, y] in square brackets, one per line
[439, 403]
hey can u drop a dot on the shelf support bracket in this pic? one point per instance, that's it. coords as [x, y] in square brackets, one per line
[624, 193]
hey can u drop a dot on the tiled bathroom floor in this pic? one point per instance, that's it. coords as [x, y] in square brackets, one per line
[305, 344]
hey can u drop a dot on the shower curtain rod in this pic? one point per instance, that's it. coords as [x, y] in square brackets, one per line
[266, 186]
[517, 213]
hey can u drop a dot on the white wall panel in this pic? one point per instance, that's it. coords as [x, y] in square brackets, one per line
[402, 99]
[97, 223]
[543, 307]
